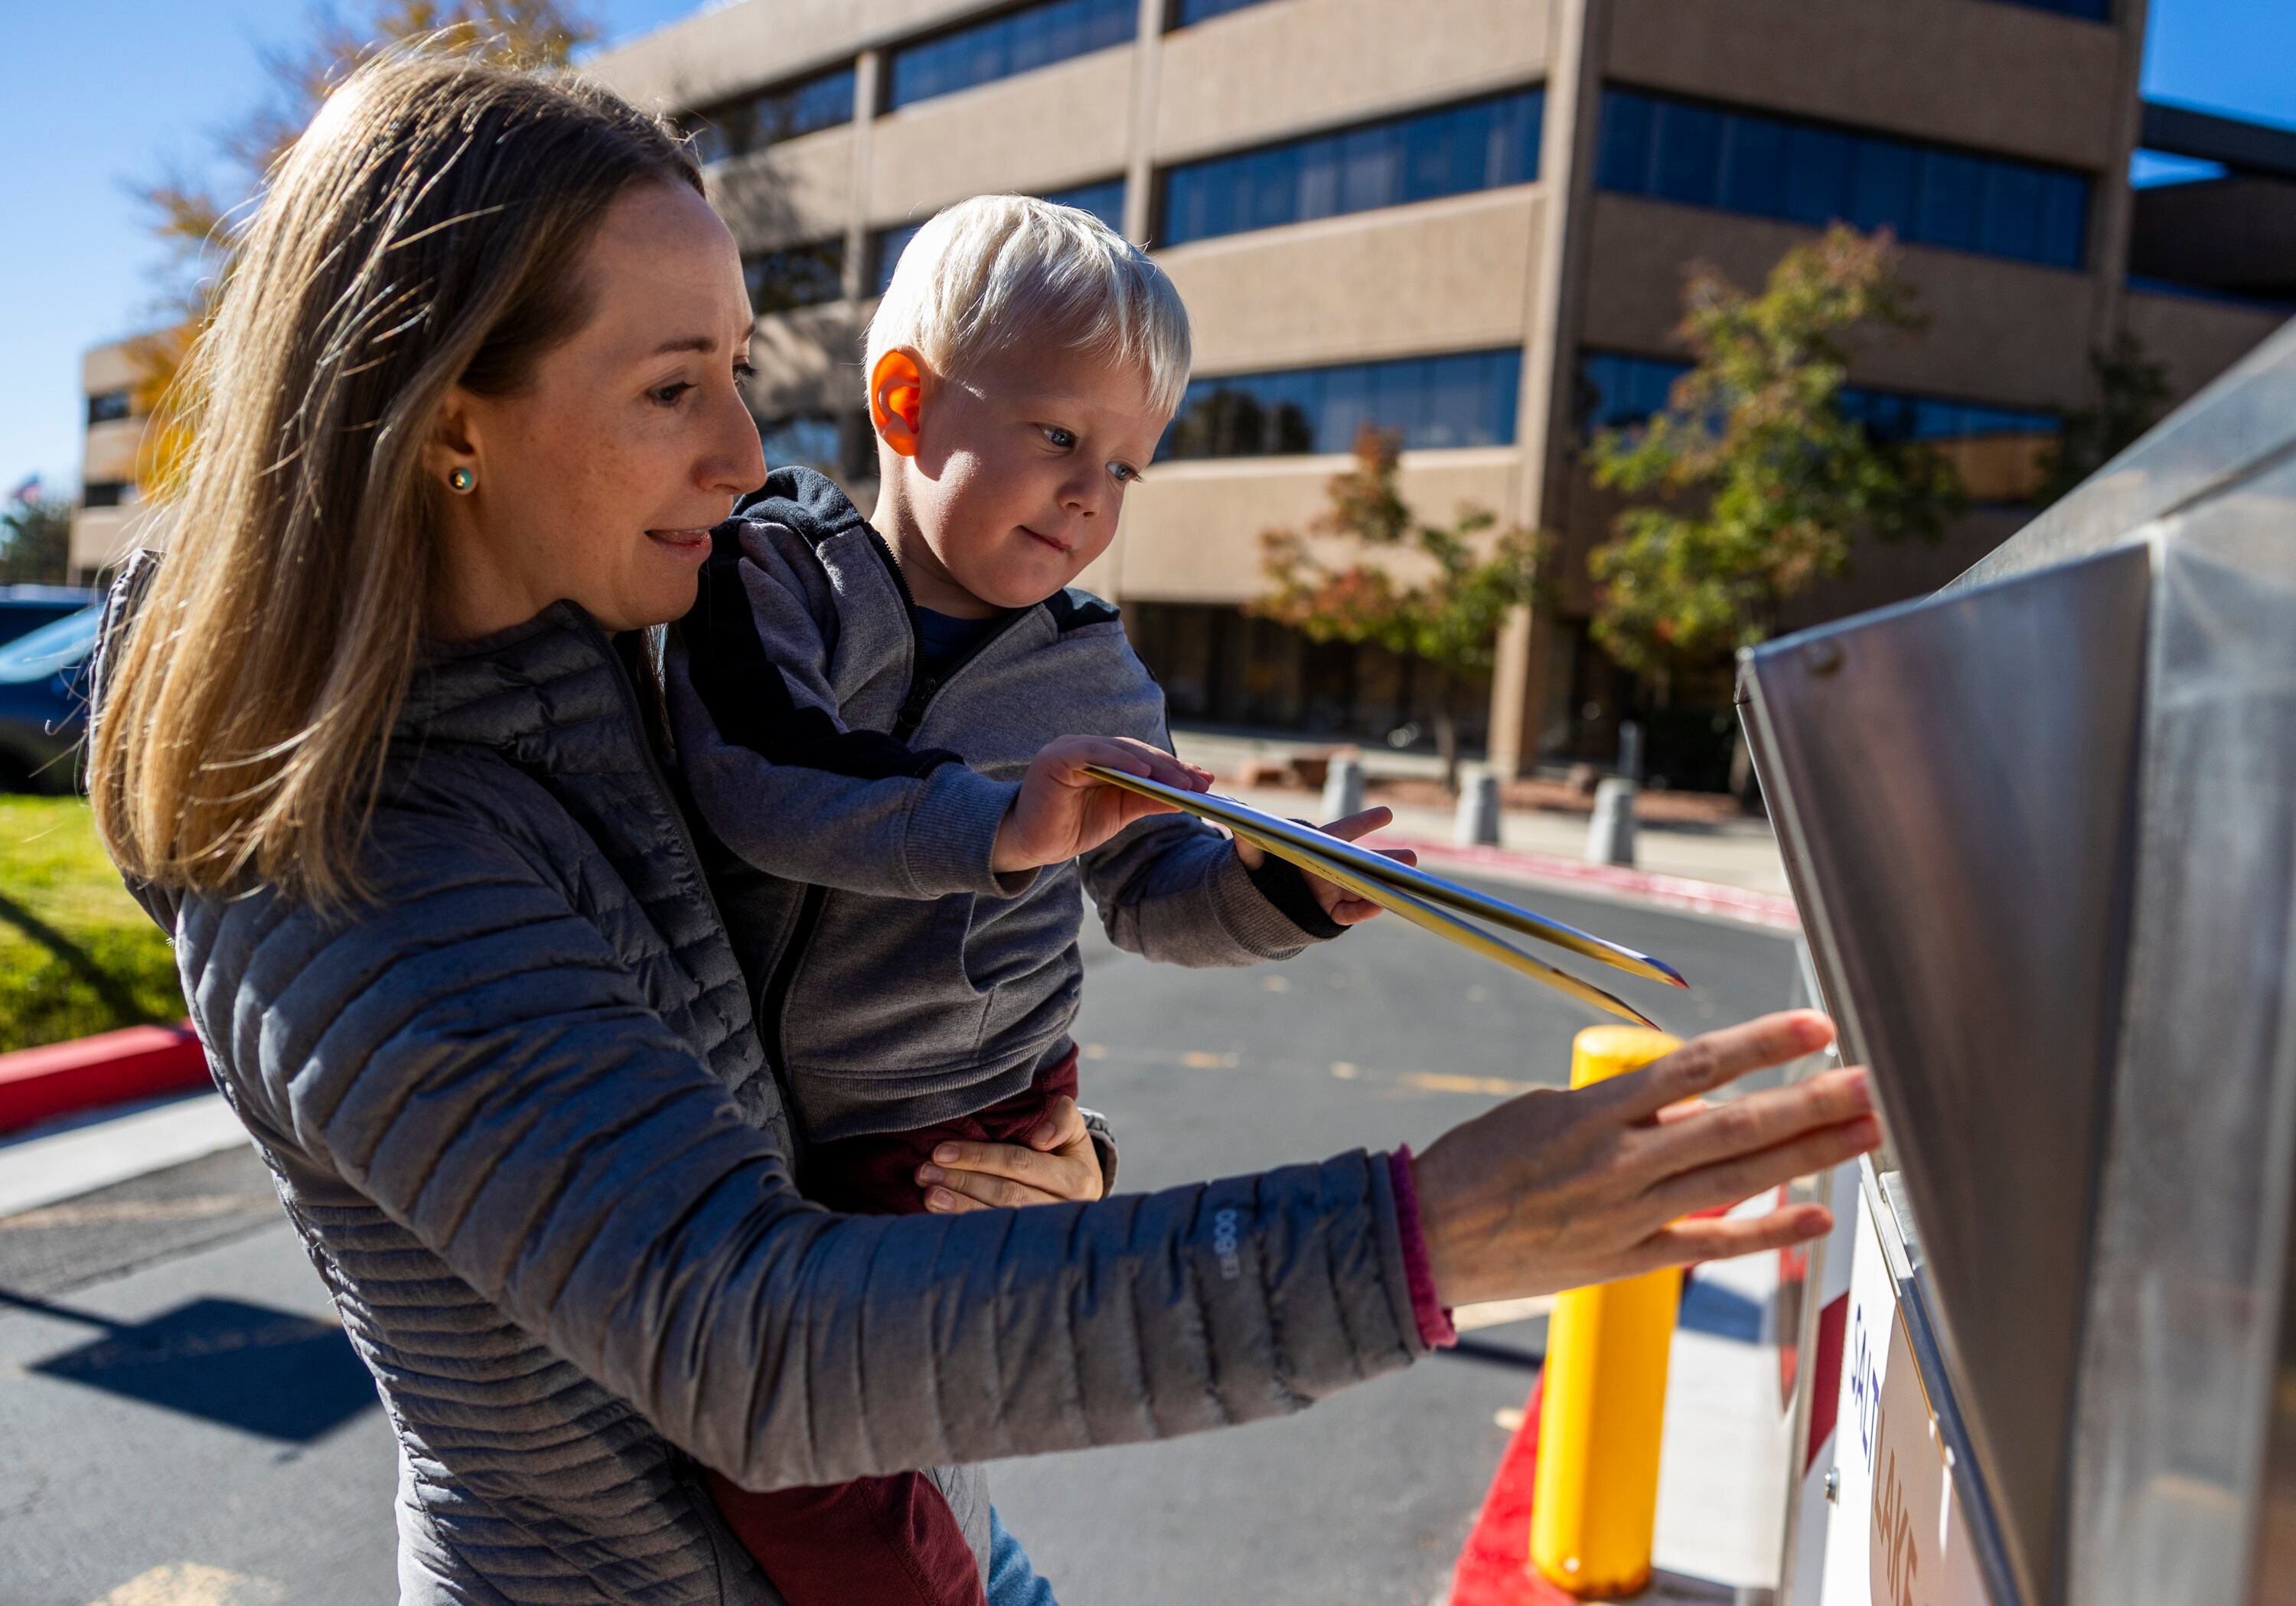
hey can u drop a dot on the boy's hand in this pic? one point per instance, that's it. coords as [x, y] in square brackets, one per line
[1341, 907]
[1062, 811]
[1057, 1164]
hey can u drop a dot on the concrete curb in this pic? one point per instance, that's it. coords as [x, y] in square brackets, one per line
[110, 1067]
[1772, 910]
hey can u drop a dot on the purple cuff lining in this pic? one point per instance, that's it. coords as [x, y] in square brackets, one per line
[1435, 1328]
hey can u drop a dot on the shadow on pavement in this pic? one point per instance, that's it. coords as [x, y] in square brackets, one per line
[264, 1371]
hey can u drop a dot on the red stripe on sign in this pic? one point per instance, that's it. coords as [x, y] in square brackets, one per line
[1825, 1398]
[89, 1073]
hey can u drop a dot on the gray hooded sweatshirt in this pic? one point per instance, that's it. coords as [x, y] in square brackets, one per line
[517, 1112]
[898, 981]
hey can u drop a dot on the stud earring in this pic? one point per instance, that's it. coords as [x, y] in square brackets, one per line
[461, 480]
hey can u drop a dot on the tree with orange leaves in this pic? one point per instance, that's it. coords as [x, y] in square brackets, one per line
[1438, 593]
[195, 215]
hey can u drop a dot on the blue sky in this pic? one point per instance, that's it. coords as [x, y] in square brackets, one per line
[103, 91]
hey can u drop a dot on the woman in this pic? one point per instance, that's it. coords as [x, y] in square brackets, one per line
[373, 741]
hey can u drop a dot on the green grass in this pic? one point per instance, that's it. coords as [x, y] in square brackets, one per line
[76, 954]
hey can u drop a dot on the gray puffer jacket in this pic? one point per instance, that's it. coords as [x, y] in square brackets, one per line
[518, 1112]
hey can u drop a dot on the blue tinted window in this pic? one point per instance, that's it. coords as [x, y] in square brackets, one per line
[1467, 398]
[1882, 184]
[1021, 41]
[1773, 166]
[1753, 165]
[1189, 11]
[752, 122]
[1480, 145]
[1953, 200]
[2095, 11]
[1622, 162]
[1617, 391]
[1689, 147]
[1105, 200]
[795, 276]
[1817, 174]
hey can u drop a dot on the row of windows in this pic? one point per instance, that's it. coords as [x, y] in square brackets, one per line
[1016, 42]
[1617, 392]
[105, 407]
[1464, 399]
[736, 128]
[1021, 41]
[1105, 200]
[1775, 167]
[1480, 145]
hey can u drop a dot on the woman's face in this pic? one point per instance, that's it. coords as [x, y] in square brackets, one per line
[598, 483]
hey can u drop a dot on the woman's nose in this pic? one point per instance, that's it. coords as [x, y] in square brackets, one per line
[736, 462]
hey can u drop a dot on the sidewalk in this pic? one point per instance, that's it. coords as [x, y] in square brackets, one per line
[1740, 852]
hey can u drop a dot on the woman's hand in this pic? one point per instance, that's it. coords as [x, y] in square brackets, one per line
[1559, 1190]
[1058, 1165]
[1341, 907]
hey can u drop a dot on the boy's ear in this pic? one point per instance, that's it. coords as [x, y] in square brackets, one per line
[897, 400]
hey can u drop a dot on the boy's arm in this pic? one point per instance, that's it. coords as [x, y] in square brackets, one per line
[1173, 889]
[779, 777]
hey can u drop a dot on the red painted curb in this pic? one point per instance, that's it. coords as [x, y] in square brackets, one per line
[1495, 1563]
[1774, 911]
[110, 1067]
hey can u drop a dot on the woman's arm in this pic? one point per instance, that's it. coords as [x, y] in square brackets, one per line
[471, 1055]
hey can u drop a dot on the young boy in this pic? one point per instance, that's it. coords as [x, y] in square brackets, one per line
[873, 724]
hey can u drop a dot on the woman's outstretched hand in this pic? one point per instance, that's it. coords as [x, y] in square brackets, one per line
[1560, 1189]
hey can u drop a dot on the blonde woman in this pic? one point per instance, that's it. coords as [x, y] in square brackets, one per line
[375, 743]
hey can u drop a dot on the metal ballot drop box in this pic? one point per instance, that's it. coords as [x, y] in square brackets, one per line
[2041, 828]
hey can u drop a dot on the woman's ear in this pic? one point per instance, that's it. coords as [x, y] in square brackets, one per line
[897, 400]
[453, 449]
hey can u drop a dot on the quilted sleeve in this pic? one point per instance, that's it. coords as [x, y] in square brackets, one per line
[468, 1054]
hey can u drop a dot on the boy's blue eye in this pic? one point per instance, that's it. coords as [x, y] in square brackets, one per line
[1059, 437]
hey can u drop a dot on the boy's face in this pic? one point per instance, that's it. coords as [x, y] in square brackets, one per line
[1019, 475]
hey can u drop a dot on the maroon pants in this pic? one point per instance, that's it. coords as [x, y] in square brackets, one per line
[879, 1541]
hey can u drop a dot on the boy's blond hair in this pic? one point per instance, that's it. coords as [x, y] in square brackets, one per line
[995, 271]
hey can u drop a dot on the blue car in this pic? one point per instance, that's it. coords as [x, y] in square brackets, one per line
[44, 704]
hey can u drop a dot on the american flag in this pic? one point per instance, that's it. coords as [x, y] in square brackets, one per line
[27, 492]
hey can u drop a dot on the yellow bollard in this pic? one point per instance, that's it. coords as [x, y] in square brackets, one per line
[1603, 1408]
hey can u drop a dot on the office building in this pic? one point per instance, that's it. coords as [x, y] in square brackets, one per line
[1467, 221]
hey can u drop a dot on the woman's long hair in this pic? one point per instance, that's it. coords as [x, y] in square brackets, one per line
[426, 230]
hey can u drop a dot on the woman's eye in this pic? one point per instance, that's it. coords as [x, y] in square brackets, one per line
[1054, 433]
[742, 373]
[668, 394]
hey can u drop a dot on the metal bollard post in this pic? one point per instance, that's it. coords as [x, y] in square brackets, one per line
[1611, 832]
[1477, 822]
[1343, 786]
[1603, 1412]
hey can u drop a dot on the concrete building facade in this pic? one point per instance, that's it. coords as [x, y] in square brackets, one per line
[1466, 221]
[105, 522]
